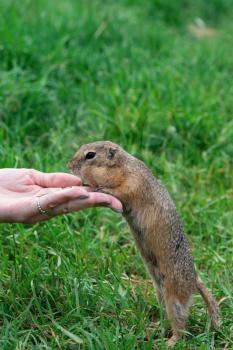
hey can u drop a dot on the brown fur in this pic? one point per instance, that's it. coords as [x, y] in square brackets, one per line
[155, 224]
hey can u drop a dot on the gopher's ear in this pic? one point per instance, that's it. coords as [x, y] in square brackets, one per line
[111, 153]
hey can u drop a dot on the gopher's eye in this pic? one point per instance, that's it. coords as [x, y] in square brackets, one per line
[90, 155]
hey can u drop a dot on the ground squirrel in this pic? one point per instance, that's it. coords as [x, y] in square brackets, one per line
[155, 224]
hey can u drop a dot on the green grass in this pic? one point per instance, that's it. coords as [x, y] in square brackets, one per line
[72, 72]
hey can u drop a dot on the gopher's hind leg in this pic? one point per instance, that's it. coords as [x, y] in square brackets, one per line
[177, 312]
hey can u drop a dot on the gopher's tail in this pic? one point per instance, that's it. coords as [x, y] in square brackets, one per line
[210, 302]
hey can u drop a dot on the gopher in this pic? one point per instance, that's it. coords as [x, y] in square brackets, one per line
[155, 225]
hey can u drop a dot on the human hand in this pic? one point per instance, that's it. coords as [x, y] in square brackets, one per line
[57, 193]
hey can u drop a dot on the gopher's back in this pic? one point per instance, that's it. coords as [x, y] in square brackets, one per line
[158, 230]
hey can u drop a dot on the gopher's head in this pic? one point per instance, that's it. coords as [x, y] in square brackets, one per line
[101, 165]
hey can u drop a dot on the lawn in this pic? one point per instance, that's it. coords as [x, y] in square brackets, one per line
[155, 77]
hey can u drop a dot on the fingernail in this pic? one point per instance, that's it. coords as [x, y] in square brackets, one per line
[83, 196]
[106, 203]
[118, 211]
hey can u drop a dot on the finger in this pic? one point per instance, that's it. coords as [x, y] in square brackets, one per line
[54, 179]
[73, 205]
[39, 208]
[44, 191]
[49, 190]
[52, 200]
[94, 200]
[115, 203]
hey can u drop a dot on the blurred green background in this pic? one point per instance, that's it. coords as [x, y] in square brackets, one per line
[155, 77]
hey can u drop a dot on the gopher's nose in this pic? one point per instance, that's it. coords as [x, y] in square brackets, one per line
[71, 164]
